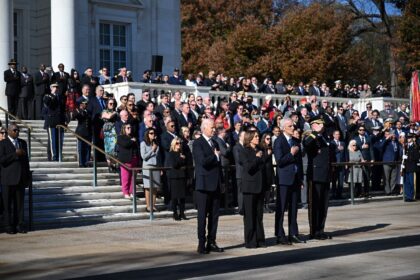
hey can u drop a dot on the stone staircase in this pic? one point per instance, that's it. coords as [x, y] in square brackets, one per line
[63, 193]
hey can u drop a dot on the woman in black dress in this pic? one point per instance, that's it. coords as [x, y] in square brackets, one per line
[253, 188]
[266, 147]
[177, 180]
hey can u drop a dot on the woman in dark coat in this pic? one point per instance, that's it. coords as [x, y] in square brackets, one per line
[253, 188]
[266, 147]
[128, 153]
[177, 180]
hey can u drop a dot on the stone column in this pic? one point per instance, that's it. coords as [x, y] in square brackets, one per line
[63, 34]
[6, 44]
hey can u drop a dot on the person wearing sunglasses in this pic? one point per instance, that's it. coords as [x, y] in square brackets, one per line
[149, 151]
[15, 176]
[109, 117]
[127, 154]
[176, 176]
[364, 144]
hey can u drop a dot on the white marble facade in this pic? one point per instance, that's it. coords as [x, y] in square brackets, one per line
[68, 31]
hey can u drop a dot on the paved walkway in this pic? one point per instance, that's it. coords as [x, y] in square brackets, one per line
[377, 240]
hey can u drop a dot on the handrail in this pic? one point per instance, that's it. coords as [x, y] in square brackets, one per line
[95, 175]
[16, 119]
[19, 121]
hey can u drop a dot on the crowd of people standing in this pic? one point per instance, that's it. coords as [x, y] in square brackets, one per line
[179, 131]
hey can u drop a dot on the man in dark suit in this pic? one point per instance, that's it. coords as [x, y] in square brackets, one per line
[207, 185]
[341, 123]
[164, 105]
[339, 148]
[54, 115]
[61, 78]
[42, 88]
[122, 76]
[184, 118]
[95, 107]
[84, 129]
[26, 95]
[237, 149]
[364, 145]
[373, 122]
[314, 89]
[226, 159]
[320, 156]
[15, 176]
[176, 79]
[89, 79]
[12, 79]
[290, 173]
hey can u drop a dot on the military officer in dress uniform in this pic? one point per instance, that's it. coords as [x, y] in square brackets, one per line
[320, 156]
[54, 115]
[84, 129]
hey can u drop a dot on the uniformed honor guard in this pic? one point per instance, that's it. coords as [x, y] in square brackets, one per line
[54, 115]
[320, 157]
[410, 166]
[84, 129]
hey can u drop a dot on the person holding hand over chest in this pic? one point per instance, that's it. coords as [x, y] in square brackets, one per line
[252, 161]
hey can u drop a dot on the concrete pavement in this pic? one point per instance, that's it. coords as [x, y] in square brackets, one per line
[377, 240]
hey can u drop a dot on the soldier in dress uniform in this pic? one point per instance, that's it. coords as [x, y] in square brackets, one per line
[410, 166]
[54, 115]
[84, 129]
[320, 156]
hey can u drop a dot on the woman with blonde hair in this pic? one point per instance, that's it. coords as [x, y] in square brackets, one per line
[177, 180]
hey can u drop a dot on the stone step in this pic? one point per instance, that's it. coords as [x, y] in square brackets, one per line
[42, 189]
[65, 153]
[75, 182]
[42, 148]
[98, 210]
[95, 219]
[63, 170]
[84, 203]
[45, 158]
[85, 176]
[77, 196]
[53, 164]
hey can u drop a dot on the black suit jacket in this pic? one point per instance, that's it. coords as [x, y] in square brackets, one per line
[61, 81]
[14, 169]
[127, 148]
[286, 162]
[41, 83]
[12, 82]
[253, 171]
[120, 79]
[207, 166]
[175, 161]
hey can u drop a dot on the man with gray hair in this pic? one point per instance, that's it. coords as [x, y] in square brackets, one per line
[290, 173]
[206, 155]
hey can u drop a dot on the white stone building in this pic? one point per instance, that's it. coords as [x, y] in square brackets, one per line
[96, 33]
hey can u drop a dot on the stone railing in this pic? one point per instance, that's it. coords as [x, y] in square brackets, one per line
[259, 98]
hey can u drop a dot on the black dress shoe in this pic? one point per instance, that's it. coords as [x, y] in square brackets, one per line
[325, 235]
[22, 230]
[261, 245]
[212, 247]
[283, 241]
[11, 231]
[296, 239]
[176, 217]
[201, 250]
[183, 217]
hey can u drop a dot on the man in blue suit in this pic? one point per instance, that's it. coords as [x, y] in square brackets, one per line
[338, 171]
[290, 173]
[207, 185]
[391, 152]
[364, 144]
